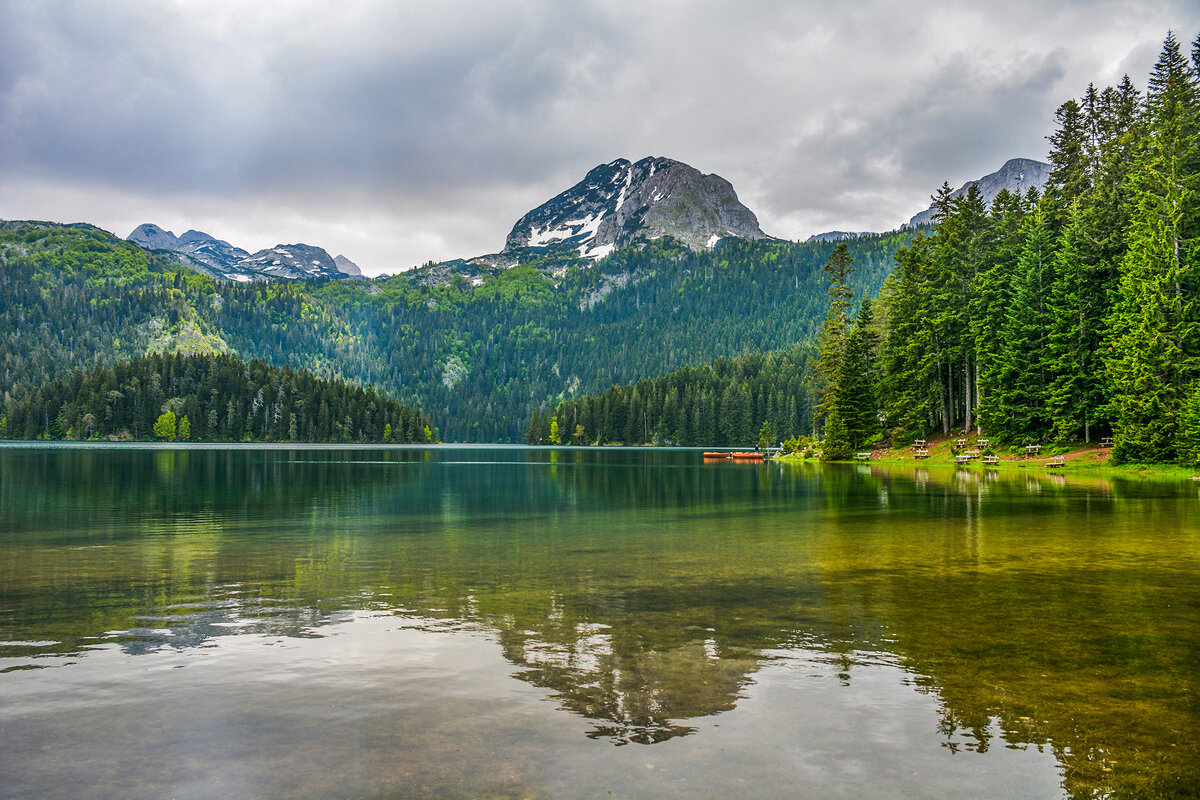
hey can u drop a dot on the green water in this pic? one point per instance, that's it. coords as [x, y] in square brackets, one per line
[511, 622]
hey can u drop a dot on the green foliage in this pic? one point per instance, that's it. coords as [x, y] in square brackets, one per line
[1188, 439]
[836, 445]
[765, 436]
[164, 426]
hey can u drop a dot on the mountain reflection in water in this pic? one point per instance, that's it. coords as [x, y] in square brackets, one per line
[643, 590]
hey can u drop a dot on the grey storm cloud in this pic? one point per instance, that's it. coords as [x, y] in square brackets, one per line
[401, 132]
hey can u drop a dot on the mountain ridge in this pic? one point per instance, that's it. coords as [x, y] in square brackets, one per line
[220, 259]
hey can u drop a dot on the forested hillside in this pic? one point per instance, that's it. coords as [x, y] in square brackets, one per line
[477, 358]
[210, 398]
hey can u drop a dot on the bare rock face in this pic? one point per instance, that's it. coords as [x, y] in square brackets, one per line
[1018, 175]
[220, 259]
[617, 203]
[291, 261]
[346, 266]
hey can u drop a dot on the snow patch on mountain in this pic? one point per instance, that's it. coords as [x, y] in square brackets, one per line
[220, 259]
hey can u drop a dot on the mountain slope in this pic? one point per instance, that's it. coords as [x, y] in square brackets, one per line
[620, 202]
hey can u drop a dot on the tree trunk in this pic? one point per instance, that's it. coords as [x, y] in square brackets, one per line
[978, 397]
[967, 392]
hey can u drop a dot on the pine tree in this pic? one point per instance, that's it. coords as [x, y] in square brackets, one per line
[831, 341]
[1020, 394]
[856, 393]
[909, 385]
[991, 302]
[836, 445]
[1070, 391]
[1070, 176]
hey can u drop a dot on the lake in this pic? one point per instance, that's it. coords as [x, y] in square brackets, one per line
[507, 622]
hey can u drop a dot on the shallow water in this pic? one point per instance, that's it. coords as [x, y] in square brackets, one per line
[513, 622]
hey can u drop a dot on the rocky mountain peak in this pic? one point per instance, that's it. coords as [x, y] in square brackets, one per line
[621, 201]
[346, 266]
[1018, 175]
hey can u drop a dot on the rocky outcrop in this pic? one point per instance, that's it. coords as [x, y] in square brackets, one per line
[346, 266]
[620, 202]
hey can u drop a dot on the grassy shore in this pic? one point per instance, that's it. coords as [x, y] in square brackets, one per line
[1083, 458]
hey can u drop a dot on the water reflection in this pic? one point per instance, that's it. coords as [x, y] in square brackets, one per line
[646, 591]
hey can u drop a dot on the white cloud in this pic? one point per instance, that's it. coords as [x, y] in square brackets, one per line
[398, 133]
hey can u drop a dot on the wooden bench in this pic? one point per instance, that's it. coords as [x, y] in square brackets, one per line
[962, 458]
[921, 454]
[919, 443]
[1057, 461]
[984, 443]
[1106, 441]
[1032, 449]
[991, 459]
[862, 456]
[960, 442]
[971, 453]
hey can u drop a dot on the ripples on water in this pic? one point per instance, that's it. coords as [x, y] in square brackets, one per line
[470, 622]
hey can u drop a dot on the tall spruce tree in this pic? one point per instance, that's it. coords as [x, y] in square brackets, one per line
[1072, 387]
[831, 342]
[1021, 391]
[856, 393]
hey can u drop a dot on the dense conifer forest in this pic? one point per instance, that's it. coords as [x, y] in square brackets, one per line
[210, 398]
[1059, 318]
[725, 403]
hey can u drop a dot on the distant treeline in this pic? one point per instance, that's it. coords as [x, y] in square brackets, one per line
[210, 398]
[722, 404]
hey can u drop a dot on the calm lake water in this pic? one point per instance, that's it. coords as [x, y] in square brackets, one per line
[510, 622]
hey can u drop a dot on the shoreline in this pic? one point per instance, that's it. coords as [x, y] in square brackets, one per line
[1084, 459]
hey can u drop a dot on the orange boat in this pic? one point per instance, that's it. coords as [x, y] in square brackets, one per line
[713, 454]
[747, 456]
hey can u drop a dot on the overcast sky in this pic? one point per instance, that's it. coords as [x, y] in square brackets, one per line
[401, 132]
